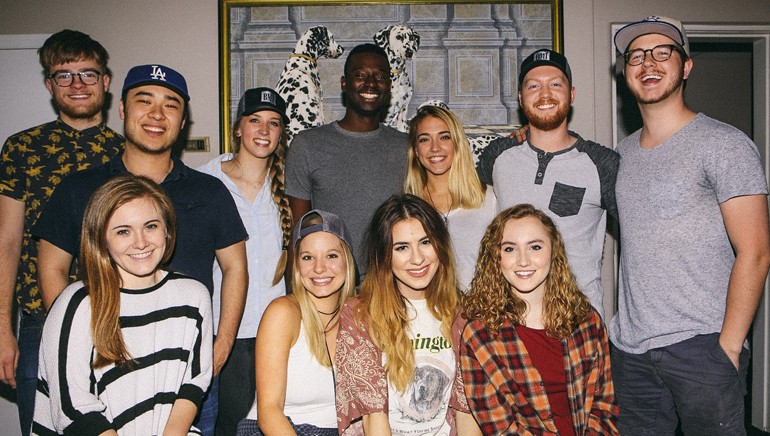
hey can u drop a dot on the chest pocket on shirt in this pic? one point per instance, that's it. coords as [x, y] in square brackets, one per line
[566, 200]
[667, 199]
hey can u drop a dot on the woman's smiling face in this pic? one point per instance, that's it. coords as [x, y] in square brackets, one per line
[525, 256]
[414, 261]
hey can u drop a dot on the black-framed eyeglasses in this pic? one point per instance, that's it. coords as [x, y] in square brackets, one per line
[659, 53]
[65, 78]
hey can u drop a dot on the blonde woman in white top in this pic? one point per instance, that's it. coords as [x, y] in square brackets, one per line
[296, 338]
[440, 171]
[253, 174]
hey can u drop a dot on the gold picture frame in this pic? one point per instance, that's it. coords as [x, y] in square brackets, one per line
[476, 46]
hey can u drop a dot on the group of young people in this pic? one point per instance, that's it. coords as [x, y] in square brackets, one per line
[418, 301]
[396, 357]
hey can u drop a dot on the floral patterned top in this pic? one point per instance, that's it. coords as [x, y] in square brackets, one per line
[361, 383]
[32, 164]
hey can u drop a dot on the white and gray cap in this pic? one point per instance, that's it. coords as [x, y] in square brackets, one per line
[665, 26]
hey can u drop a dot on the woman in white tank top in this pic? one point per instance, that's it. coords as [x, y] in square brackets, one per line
[296, 338]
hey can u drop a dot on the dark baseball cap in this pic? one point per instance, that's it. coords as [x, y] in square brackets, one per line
[330, 223]
[545, 57]
[156, 74]
[262, 99]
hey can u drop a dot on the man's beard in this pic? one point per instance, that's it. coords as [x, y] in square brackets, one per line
[79, 112]
[546, 122]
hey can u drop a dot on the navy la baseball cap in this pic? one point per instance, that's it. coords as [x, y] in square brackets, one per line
[545, 57]
[262, 99]
[156, 74]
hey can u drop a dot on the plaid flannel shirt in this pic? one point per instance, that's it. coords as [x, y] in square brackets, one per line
[506, 393]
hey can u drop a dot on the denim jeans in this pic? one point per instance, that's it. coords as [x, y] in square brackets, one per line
[693, 380]
[207, 417]
[30, 331]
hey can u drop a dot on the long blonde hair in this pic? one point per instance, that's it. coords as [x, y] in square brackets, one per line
[383, 306]
[275, 165]
[464, 184]
[98, 270]
[314, 329]
[492, 299]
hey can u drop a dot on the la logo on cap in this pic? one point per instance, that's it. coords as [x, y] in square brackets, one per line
[268, 97]
[157, 73]
[542, 56]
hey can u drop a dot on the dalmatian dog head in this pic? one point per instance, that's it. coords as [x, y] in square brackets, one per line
[399, 42]
[318, 42]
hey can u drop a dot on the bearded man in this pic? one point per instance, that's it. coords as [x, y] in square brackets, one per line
[554, 169]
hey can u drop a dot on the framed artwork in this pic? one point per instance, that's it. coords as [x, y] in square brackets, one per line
[468, 57]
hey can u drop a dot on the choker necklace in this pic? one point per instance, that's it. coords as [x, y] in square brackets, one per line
[443, 215]
[333, 312]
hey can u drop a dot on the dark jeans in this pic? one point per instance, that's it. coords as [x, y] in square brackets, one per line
[237, 386]
[30, 331]
[693, 379]
[207, 416]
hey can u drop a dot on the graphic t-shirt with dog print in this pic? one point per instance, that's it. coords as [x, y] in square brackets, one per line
[429, 405]
[422, 409]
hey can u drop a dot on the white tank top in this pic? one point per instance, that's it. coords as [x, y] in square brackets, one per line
[309, 388]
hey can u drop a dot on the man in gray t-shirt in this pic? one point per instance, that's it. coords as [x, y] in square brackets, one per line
[351, 166]
[695, 249]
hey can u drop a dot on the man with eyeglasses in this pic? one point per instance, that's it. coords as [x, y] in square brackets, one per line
[695, 250]
[32, 164]
[351, 166]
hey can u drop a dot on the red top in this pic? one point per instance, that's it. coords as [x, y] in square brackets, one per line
[548, 357]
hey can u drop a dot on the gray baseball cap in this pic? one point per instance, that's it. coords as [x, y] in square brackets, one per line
[330, 223]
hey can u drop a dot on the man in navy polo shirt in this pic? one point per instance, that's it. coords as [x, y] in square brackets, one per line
[154, 109]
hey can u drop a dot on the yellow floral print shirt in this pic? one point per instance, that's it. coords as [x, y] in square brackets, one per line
[32, 163]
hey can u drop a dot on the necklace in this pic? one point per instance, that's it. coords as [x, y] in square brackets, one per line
[443, 215]
[333, 312]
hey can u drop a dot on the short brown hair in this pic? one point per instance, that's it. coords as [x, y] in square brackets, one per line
[71, 46]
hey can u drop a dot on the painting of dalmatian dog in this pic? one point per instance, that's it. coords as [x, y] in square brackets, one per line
[300, 84]
[400, 43]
